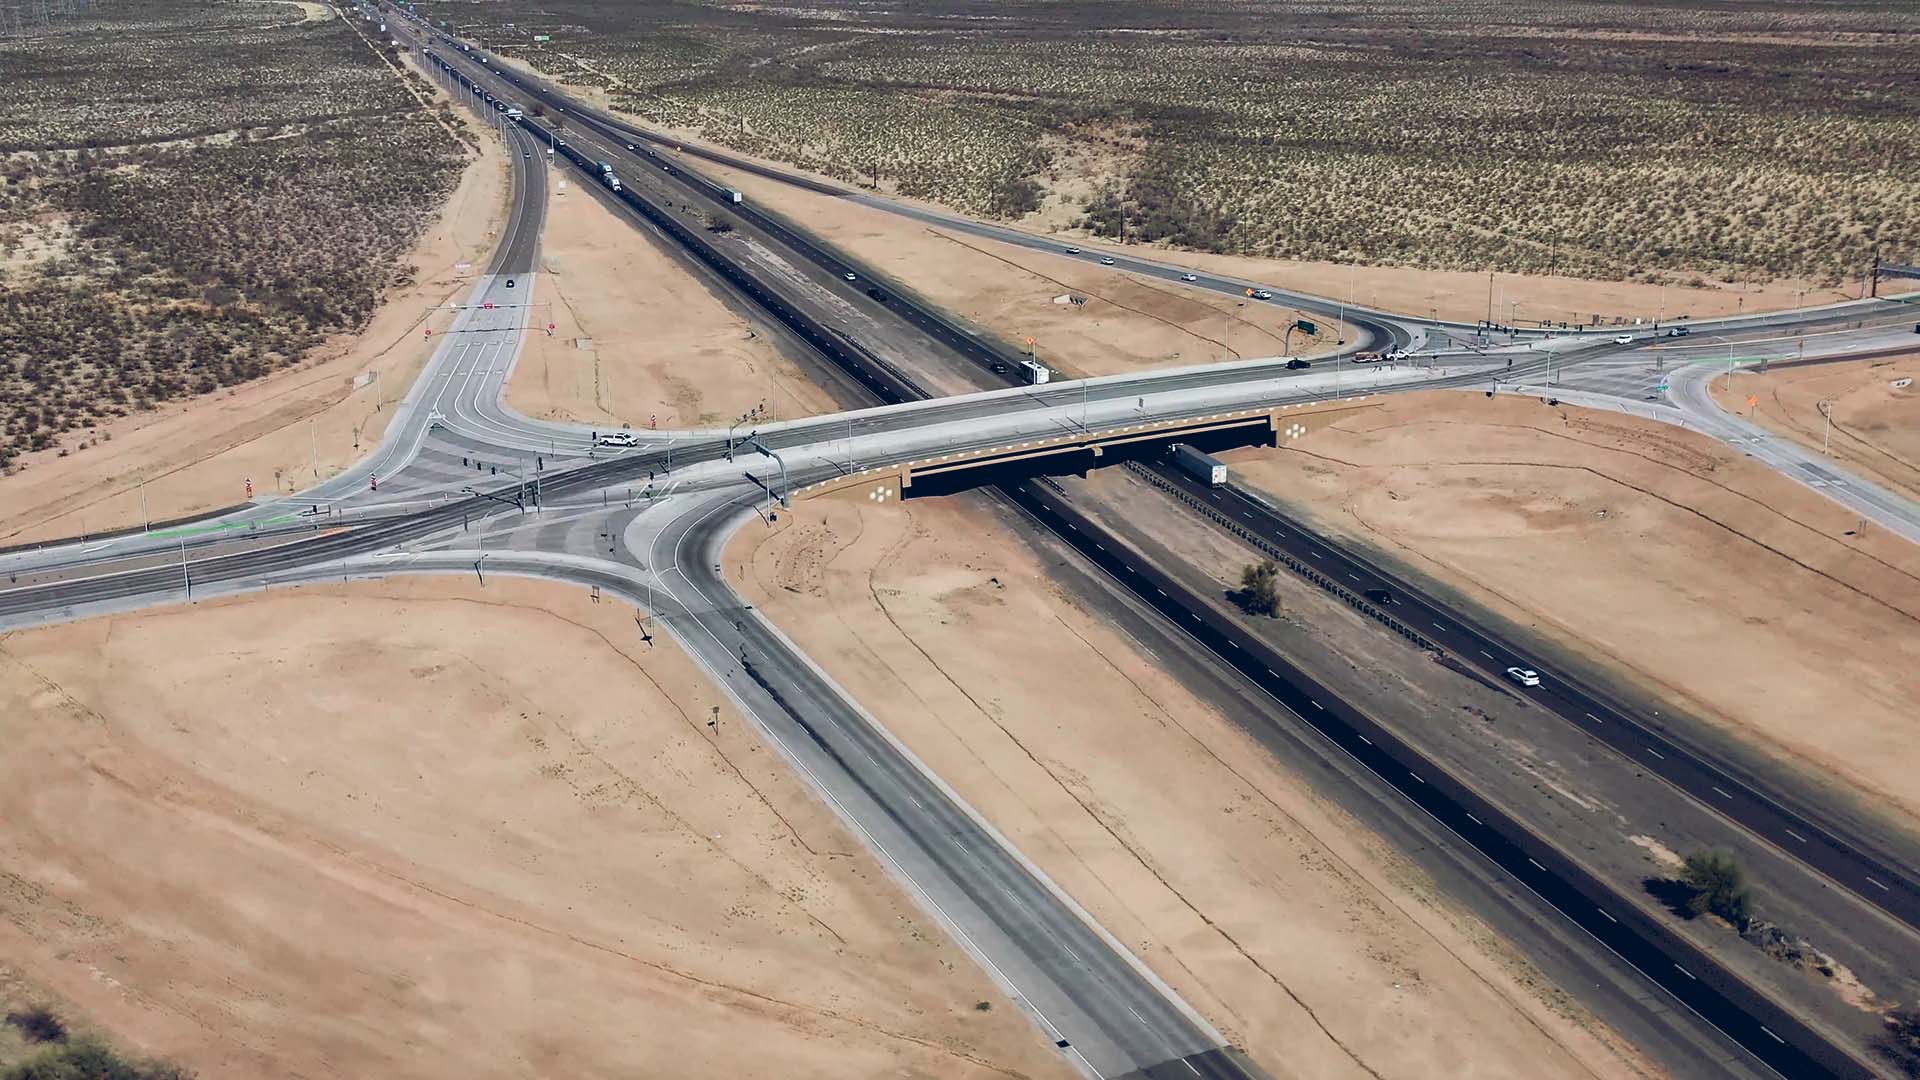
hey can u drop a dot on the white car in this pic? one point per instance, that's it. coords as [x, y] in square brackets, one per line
[1073, 251]
[1524, 676]
[1188, 277]
[619, 438]
[1623, 339]
[851, 277]
[630, 146]
[1106, 260]
[1262, 294]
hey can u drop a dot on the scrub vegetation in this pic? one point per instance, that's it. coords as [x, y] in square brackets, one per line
[1668, 142]
[194, 193]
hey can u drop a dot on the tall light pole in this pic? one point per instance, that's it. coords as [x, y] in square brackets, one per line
[1826, 410]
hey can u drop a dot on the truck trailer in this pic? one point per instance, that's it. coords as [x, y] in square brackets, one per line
[1202, 467]
[1034, 373]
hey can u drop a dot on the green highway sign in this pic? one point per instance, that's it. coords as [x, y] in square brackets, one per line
[1307, 327]
[543, 37]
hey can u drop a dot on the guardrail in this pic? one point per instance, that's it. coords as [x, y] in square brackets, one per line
[1340, 592]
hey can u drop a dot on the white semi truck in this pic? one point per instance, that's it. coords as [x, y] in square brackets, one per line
[1202, 467]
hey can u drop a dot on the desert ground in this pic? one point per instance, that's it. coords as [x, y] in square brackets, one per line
[1518, 299]
[196, 455]
[664, 348]
[1876, 425]
[1655, 552]
[1292, 929]
[1127, 323]
[426, 828]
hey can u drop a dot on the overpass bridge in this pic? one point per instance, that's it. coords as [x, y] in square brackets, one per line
[1273, 425]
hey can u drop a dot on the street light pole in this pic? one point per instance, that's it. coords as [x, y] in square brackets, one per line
[1826, 438]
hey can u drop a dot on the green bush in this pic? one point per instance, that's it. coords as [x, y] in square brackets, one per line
[1719, 886]
[89, 1059]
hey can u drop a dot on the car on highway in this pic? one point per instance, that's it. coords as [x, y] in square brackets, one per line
[1623, 339]
[1073, 251]
[526, 153]
[1297, 364]
[618, 438]
[1262, 294]
[850, 276]
[1524, 676]
[1106, 260]
[630, 146]
[1188, 277]
[1679, 331]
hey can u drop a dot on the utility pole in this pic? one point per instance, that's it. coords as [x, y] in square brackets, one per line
[1826, 438]
[185, 578]
[1489, 300]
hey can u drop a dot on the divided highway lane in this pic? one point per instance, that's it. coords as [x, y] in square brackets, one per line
[1773, 815]
[1772, 1035]
[1101, 1006]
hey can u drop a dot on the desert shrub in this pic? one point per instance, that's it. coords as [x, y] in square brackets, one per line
[1719, 886]
[1692, 138]
[89, 1059]
[38, 1023]
[1259, 592]
[172, 236]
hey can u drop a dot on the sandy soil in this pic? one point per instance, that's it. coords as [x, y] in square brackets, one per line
[1876, 426]
[427, 829]
[1127, 323]
[284, 431]
[1294, 930]
[1524, 300]
[663, 348]
[1707, 579]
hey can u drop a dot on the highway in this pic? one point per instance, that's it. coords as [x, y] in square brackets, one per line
[1076, 981]
[1786, 819]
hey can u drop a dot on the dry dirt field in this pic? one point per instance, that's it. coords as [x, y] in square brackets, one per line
[1667, 552]
[1299, 934]
[1127, 324]
[197, 454]
[422, 828]
[1522, 299]
[1876, 426]
[664, 347]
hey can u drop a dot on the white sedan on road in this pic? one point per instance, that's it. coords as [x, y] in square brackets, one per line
[1524, 676]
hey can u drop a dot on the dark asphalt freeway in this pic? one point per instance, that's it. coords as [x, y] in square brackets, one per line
[1783, 819]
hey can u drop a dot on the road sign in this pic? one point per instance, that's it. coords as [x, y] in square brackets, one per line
[543, 37]
[1306, 326]
[249, 487]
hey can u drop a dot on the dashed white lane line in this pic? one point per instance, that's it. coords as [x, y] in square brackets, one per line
[1877, 885]
[1720, 793]
[1656, 753]
[1796, 836]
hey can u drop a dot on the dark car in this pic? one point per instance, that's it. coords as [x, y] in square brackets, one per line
[1378, 596]
[998, 367]
[1297, 365]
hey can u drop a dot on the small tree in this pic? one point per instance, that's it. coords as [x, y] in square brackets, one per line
[1259, 588]
[1719, 885]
